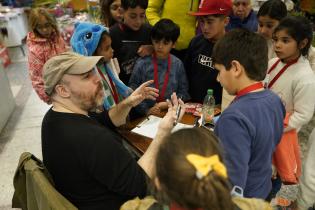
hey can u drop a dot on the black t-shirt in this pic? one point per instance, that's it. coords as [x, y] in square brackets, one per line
[200, 70]
[125, 43]
[88, 162]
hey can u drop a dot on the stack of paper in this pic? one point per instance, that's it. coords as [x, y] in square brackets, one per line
[149, 127]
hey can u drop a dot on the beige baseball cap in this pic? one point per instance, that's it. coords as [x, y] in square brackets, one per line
[66, 63]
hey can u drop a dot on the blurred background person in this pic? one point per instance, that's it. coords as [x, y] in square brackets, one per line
[43, 42]
[110, 12]
[243, 16]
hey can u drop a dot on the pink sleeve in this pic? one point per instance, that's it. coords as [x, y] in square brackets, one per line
[35, 66]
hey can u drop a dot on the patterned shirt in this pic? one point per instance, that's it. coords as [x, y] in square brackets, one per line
[144, 71]
[39, 51]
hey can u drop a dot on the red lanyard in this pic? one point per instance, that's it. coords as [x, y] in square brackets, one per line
[281, 71]
[113, 88]
[248, 89]
[121, 26]
[156, 77]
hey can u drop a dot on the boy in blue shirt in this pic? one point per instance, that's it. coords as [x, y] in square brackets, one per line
[131, 39]
[251, 127]
[165, 69]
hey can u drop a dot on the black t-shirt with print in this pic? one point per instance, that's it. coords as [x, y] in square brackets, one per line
[200, 70]
[125, 43]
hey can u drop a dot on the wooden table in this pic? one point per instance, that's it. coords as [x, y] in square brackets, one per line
[139, 143]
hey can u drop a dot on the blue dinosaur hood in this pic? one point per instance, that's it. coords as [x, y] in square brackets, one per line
[86, 37]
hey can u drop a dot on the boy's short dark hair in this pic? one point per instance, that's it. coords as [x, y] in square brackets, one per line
[246, 47]
[126, 4]
[165, 29]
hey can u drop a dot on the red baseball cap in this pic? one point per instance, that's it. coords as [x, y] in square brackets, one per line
[213, 7]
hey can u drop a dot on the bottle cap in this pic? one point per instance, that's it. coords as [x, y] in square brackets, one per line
[210, 91]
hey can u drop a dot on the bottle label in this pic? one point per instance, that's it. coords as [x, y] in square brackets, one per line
[207, 114]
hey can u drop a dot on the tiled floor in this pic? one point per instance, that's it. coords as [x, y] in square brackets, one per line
[22, 131]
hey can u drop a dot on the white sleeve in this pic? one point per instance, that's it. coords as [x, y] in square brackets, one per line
[311, 58]
[306, 195]
[304, 101]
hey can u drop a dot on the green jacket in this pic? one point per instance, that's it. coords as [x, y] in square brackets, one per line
[177, 12]
[34, 188]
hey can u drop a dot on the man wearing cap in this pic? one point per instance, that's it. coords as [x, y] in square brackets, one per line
[81, 149]
[213, 17]
[243, 16]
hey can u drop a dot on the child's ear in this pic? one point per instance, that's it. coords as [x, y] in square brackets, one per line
[174, 45]
[303, 43]
[237, 68]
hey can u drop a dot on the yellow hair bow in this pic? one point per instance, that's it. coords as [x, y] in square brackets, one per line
[204, 165]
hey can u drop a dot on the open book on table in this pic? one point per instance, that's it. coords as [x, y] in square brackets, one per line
[149, 126]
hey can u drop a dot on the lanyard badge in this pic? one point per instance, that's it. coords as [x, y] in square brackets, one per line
[156, 77]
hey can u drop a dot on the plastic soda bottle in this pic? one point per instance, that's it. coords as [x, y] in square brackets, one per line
[208, 108]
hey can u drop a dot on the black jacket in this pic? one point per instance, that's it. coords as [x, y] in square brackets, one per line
[125, 43]
[200, 70]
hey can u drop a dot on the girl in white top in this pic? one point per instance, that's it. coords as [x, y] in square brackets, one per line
[290, 75]
[269, 16]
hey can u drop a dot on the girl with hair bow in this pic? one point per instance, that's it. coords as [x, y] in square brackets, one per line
[190, 175]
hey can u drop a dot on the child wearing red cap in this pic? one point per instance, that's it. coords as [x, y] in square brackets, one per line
[213, 17]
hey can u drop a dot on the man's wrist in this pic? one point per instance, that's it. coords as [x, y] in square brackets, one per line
[127, 103]
[164, 130]
[161, 134]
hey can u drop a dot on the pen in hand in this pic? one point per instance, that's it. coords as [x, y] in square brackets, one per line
[177, 114]
[178, 110]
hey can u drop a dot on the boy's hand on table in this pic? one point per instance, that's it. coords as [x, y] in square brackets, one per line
[145, 50]
[155, 110]
[158, 108]
[162, 105]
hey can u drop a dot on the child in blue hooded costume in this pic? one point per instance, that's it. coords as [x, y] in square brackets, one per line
[91, 39]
